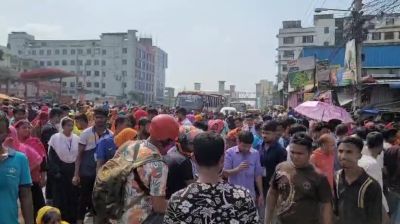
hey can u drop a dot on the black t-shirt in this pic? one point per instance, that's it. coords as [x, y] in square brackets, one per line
[392, 164]
[301, 192]
[48, 130]
[179, 171]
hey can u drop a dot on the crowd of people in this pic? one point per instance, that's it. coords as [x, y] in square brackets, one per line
[158, 165]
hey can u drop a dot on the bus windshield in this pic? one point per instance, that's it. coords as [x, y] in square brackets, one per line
[189, 102]
[240, 107]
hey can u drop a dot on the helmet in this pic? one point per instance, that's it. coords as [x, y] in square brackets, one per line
[164, 127]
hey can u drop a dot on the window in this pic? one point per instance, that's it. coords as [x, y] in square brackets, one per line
[56, 63]
[88, 51]
[96, 73]
[124, 73]
[88, 62]
[64, 84]
[326, 30]
[97, 51]
[33, 52]
[389, 21]
[124, 85]
[48, 52]
[65, 52]
[88, 73]
[72, 62]
[72, 91]
[96, 62]
[376, 36]
[326, 43]
[88, 84]
[288, 54]
[103, 63]
[41, 52]
[288, 40]
[308, 39]
[389, 35]
[104, 52]
[72, 84]
[103, 74]
[124, 50]
[103, 85]
[64, 62]
[80, 51]
[124, 62]
[80, 62]
[41, 63]
[73, 51]
[284, 68]
[49, 63]
[57, 52]
[96, 85]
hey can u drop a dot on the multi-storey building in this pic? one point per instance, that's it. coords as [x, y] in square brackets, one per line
[116, 65]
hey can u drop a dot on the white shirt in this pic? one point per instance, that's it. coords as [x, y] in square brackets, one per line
[186, 122]
[65, 147]
[373, 169]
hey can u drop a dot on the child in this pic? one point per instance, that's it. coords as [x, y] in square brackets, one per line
[49, 215]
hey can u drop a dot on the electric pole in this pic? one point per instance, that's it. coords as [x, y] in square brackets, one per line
[359, 40]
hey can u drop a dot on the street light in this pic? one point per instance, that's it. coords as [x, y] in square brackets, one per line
[319, 10]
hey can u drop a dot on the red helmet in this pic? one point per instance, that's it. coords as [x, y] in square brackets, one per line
[164, 127]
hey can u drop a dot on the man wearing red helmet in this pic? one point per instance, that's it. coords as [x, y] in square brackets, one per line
[145, 189]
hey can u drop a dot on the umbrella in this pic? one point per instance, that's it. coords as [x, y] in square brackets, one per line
[321, 111]
[4, 97]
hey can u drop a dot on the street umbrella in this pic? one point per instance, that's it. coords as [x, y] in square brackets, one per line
[321, 111]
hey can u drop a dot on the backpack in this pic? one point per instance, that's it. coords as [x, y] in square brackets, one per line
[109, 188]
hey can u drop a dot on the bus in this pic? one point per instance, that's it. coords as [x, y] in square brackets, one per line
[199, 101]
[240, 106]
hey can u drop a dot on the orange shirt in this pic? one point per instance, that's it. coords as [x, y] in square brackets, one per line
[324, 164]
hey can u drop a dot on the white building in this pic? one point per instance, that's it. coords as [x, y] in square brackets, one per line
[116, 65]
[161, 64]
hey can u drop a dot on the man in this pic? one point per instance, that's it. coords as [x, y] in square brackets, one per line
[81, 123]
[121, 122]
[146, 186]
[271, 152]
[283, 131]
[15, 181]
[181, 115]
[370, 164]
[85, 165]
[249, 124]
[392, 167]
[178, 159]
[19, 114]
[152, 113]
[65, 110]
[231, 137]
[358, 197]
[210, 200]
[341, 132]
[143, 128]
[304, 195]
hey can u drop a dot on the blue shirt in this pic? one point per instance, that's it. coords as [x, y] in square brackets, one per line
[258, 140]
[14, 173]
[106, 148]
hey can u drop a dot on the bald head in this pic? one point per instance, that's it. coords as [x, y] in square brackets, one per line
[327, 142]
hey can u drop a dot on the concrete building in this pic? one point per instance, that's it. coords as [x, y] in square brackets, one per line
[264, 93]
[169, 96]
[161, 64]
[117, 65]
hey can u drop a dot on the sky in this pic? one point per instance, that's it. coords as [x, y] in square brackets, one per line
[206, 40]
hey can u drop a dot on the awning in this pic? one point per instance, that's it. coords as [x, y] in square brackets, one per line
[45, 74]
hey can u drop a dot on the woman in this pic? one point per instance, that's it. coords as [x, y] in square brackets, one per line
[24, 129]
[38, 123]
[49, 215]
[323, 158]
[63, 150]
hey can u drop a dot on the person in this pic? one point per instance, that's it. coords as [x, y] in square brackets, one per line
[304, 195]
[19, 114]
[357, 196]
[392, 177]
[38, 123]
[49, 215]
[257, 136]
[143, 128]
[271, 152]
[152, 113]
[370, 164]
[81, 123]
[85, 164]
[15, 181]
[65, 110]
[105, 150]
[151, 177]
[231, 137]
[249, 123]
[32, 113]
[283, 131]
[63, 150]
[323, 158]
[127, 134]
[295, 128]
[178, 159]
[38, 175]
[210, 200]
[181, 116]
[121, 122]
[341, 132]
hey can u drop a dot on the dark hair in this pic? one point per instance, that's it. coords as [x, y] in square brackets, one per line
[65, 120]
[390, 134]
[333, 123]
[120, 120]
[143, 121]
[3, 118]
[132, 120]
[301, 138]
[50, 215]
[266, 118]
[65, 108]
[249, 116]
[321, 125]
[152, 111]
[306, 123]
[208, 147]
[19, 110]
[246, 137]
[101, 111]
[258, 126]
[200, 125]
[238, 119]
[182, 111]
[55, 112]
[82, 117]
[270, 126]
[358, 142]
[341, 129]
[297, 128]
[374, 139]
[361, 132]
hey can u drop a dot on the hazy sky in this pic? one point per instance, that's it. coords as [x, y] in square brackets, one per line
[206, 40]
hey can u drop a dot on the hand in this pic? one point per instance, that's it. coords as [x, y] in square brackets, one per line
[260, 201]
[76, 180]
[242, 166]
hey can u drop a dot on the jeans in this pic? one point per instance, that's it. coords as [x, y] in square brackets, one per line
[393, 199]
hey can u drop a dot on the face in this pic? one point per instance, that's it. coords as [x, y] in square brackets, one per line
[299, 155]
[348, 155]
[238, 124]
[123, 125]
[19, 116]
[243, 147]
[68, 127]
[328, 146]
[100, 120]
[269, 136]
[250, 122]
[24, 130]
[80, 124]
[280, 130]
[56, 119]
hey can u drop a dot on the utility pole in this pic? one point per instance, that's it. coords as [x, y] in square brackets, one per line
[359, 40]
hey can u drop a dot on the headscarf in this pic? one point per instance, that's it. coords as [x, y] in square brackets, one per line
[44, 210]
[60, 143]
[216, 125]
[139, 114]
[198, 118]
[124, 136]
